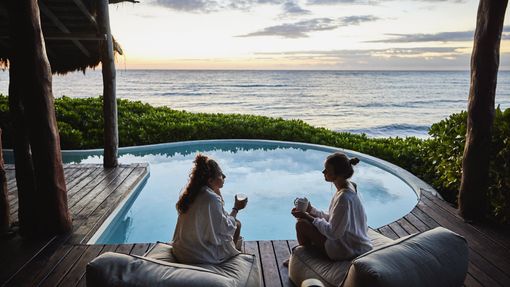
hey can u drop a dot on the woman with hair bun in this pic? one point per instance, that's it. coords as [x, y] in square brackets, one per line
[341, 232]
[205, 232]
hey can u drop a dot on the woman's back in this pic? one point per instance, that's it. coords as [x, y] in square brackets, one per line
[203, 233]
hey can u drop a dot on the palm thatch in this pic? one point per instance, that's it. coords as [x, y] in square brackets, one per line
[71, 33]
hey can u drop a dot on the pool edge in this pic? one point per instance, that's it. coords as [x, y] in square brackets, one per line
[119, 208]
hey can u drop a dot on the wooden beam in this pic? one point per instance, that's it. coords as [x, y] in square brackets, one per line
[47, 12]
[111, 134]
[85, 11]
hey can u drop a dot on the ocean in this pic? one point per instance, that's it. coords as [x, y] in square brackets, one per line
[377, 103]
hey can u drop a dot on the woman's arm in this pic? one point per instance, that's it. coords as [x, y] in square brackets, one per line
[223, 224]
[234, 212]
[318, 213]
[335, 227]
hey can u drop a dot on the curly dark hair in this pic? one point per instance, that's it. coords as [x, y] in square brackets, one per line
[203, 169]
[342, 165]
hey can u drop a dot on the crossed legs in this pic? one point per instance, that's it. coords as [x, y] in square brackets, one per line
[308, 235]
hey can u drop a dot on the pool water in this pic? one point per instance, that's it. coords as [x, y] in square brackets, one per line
[272, 174]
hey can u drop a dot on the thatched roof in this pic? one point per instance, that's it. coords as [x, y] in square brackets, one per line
[71, 34]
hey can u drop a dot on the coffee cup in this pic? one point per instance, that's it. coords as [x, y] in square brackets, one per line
[241, 197]
[301, 203]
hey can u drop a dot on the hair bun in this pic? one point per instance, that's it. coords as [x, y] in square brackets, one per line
[200, 157]
[201, 160]
[354, 161]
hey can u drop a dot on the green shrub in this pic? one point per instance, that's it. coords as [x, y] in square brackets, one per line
[499, 187]
[443, 154]
[436, 160]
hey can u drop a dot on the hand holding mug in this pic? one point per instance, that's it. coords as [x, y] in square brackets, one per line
[302, 214]
[302, 204]
[241, 200]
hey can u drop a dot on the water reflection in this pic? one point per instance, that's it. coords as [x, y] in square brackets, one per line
[272, 175]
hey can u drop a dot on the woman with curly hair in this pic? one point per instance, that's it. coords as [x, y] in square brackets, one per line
[205, 232]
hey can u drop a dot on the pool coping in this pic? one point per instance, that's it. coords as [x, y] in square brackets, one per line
[121, 206]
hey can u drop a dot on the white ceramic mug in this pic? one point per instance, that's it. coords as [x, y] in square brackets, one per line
[301, 203]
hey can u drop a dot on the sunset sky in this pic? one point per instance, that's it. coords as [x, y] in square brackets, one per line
[298, 34]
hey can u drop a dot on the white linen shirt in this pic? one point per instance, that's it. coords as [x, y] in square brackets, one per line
[344, 226]
[204, 233]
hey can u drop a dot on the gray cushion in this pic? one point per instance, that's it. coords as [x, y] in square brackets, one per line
[161, 251]
[114, 269]
[306, 263]
[437, 257]
[242, 267]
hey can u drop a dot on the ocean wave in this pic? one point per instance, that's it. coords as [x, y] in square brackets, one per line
[408, 104]
[191, 94]
[258, 86]
[392, 130]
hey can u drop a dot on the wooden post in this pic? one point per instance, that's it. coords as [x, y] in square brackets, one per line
[5, 221]
[111, 135]
[25, 178]
[44, 204]
[484, 71]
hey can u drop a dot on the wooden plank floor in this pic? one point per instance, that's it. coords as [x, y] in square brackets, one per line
[489, 249]
[94, 192]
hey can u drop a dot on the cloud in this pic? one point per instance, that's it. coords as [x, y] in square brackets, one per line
[208, 6]
[460, 36]
[296, 30]
[302, 28]
[289, 6]
[438, 37]
[293, 8]
[373, 59]
[390, 52]
[333, 2]
[189, 5]
[329, 2]
[356, 20]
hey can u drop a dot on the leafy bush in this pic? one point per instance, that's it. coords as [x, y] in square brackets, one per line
[436, 160]
[443, 155]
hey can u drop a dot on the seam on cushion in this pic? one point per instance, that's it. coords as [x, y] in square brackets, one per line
[304, 263]
[395, 242]
[181, 265]
[399, 241]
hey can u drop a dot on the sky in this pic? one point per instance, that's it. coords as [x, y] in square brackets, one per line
[298, 34]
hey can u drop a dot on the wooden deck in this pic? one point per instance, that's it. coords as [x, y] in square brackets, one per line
[94, 192]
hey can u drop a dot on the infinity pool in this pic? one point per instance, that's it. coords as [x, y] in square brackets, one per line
[271, 173]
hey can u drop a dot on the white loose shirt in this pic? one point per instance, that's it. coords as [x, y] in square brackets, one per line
[344, 226]
[204, 233]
